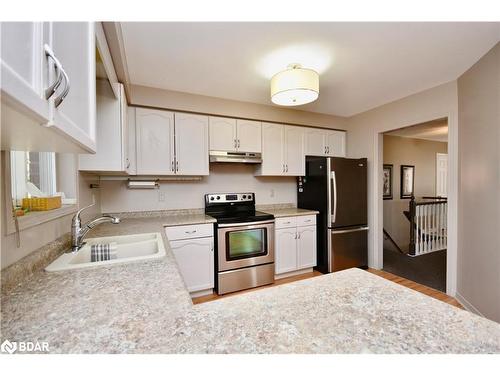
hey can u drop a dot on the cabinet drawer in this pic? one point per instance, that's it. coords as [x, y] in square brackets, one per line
[285, 222]
[303, 221]
[182, 232]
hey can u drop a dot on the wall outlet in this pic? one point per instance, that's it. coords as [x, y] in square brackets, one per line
[161, 196]
[272, 193]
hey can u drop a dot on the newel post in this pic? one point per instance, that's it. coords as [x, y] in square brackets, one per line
[413, 211]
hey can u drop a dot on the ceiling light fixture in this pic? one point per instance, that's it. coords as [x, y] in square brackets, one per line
[295, 86]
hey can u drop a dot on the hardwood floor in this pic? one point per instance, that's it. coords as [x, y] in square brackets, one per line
[418, 287]
[386, 275]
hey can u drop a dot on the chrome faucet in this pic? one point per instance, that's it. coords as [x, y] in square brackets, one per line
[78, 233]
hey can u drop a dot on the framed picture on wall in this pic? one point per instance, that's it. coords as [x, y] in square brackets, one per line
[407, 181]
[387, 179]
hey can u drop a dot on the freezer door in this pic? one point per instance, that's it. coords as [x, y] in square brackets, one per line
[348, 192]
[348, 248]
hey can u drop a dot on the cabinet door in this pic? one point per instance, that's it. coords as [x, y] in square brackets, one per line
[195, 258]
[154, 142]
[272, 150]
[294, 151]
[249, 136]
[222, 134]
[335, 141]
[73, 44]
[286, 250]
[315, 142]
[306, 247]
[24, 67]
[191, 144]
[132, 148]
[111, 138]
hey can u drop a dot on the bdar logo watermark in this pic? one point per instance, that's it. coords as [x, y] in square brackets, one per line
[12, 347]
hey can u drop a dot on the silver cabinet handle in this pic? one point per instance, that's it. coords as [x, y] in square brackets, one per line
[286, 168]
[177, 165]
[298, 235]
[190, 231]
[173, 168]
[60, 98]
[49, 91]
[326, 152]
[128, 163]
[235, 143]
[283, 168]
[238, 143]
[334, 188]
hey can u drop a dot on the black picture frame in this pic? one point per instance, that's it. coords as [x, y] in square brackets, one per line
[387, 181]
[407, 185]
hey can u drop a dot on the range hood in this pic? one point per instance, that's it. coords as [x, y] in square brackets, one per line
[235, 157]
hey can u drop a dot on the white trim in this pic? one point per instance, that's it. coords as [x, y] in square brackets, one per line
[293, 273]
[467, 305]
[201, 293]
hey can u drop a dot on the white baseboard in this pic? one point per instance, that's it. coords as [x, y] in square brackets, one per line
[293, 273]
[201, 293]
[468, 306]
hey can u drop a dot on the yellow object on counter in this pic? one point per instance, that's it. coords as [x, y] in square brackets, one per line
[42, 204]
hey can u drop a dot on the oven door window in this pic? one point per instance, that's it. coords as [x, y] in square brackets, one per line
[246, 243]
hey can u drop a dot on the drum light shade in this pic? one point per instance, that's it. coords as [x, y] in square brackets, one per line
[295, 86]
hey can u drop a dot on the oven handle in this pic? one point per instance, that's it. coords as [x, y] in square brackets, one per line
[245, 224]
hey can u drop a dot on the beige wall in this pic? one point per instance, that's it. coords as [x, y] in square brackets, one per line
[223, 178]
[37, 236]
[364, 138]
[479, 186]
[175, 100]
[408, 151]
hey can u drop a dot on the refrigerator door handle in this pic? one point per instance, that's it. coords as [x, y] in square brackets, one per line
[350, 230]
[334, 190]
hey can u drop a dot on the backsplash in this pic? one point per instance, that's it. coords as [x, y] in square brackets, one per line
[174, 195]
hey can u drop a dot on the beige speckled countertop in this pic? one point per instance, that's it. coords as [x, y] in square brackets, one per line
[289, 211]
[144, 307]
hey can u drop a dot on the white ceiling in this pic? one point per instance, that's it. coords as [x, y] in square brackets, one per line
[361, 65]
[436, 130]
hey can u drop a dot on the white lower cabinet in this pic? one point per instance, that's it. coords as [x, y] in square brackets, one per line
[295, 244]
[286, 250]
[194, 255]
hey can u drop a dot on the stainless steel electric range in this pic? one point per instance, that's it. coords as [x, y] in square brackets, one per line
[244, 241]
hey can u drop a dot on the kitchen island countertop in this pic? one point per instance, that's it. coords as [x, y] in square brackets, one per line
[144, 307]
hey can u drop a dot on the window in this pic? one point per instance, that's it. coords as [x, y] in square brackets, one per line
[32, 173]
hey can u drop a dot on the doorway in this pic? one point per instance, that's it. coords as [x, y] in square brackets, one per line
[414, 179]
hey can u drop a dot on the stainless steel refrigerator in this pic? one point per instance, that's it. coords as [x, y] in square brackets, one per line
[337, 188]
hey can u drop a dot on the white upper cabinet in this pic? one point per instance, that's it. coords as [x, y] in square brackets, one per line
[229, 134]
[154, 142]
[222, 134]
[112, 132]
[315, 142]
[294, 151]
[249, 135]
[74, 107]
[191, 144]
[319, 142]
[170, 144]
[272, 150]
[48, 86]
[24, 66]
[282, 151]
[335, 143]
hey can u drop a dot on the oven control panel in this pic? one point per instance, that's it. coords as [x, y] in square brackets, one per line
[229, 198]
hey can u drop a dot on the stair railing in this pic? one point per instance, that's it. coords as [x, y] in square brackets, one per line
[428, 226]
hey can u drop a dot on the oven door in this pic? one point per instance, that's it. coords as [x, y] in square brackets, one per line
[245, 244]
